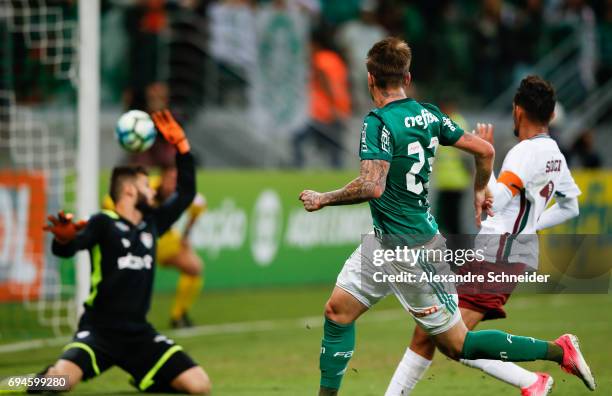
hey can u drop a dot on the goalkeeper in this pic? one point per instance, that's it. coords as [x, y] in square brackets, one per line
[173, 248]
[114, 330]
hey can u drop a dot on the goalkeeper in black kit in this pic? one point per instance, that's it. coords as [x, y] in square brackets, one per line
[114, 330]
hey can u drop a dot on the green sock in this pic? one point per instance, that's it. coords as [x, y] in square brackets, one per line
[497, 345]
[555, 353]
[336, 351]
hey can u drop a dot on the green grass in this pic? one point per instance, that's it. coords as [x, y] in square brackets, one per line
[280, 357]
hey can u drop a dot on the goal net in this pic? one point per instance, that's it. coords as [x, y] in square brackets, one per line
[38, 146]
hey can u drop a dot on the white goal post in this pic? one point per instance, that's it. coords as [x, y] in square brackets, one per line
[88, 182]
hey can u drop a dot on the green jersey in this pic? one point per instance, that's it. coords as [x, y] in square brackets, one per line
[406, 133]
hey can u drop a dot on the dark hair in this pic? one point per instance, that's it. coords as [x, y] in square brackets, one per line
[537, 97]
[388, 61]
[120, 175]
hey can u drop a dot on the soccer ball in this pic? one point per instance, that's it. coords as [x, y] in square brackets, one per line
[135, 131]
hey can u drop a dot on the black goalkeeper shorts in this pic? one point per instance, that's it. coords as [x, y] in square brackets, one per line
[152, 359]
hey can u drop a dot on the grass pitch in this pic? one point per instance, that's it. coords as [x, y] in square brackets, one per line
[266, 343]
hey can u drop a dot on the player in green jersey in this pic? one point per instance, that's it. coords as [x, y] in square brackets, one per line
[397, 149]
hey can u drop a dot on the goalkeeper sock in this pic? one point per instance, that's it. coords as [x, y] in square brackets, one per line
[407, 374]
[497, 345]
[186, 292]
[195, 286]
[336, 350]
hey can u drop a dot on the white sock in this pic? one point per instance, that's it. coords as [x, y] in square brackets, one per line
[508, 372]
[408, 372]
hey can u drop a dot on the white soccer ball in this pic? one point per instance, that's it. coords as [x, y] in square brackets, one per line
[135, 131]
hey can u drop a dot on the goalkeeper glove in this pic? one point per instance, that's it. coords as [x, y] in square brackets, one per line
[171, 130]
[62, 227]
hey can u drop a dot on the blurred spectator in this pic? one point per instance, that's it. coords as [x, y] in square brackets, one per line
[527, 34]
[413, 25]
[339, 11]
[583, 153]
[144, 23]
[605, 44]
[157, 96]
[330, 102]
[578, 16]
[233, 46]
[555, 127]
[213, 52]
[452, 178]
[162, 152]
[491, 37]
[355, 39]
[187, 57]
[232, 27]
[449, 39]
[311, 7]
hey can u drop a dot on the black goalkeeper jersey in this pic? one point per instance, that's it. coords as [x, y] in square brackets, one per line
[123, 256]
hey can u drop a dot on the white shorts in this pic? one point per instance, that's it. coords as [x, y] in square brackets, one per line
[433, 306]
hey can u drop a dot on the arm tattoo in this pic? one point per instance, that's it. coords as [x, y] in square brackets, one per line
[371, 183]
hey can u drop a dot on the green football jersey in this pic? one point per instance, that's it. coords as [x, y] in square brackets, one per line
[406, 133]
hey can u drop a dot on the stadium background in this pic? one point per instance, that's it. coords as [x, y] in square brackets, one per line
[236, 73]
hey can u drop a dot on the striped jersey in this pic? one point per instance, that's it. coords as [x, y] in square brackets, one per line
[535, 171]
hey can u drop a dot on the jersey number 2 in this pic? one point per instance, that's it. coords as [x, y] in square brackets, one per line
[412, 184]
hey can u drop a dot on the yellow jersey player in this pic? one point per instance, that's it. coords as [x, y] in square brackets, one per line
[175, 250]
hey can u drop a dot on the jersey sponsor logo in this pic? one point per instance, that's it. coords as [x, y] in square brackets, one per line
[135, 262]
[423, 120]
[266, 227]
[163, 338]
[147, 239]
[449, 124]
[385, 140]
[553, 166]
[346, 355]
[121, 226]
[364, 145]
[424, 312]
